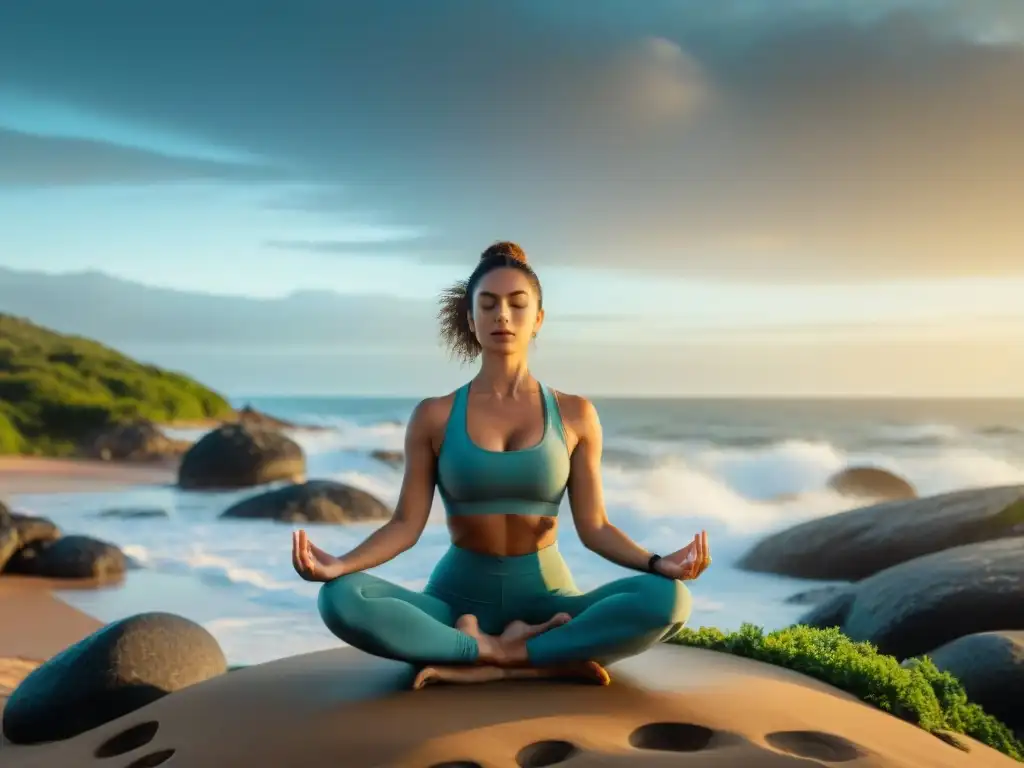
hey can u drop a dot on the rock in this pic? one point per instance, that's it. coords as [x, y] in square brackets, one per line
[116, 670]
[33, 529]
[238, 456]
[394, 458]
[853, 545]
[909, 609]
[12, 672]
[814, 596]
[317, 501]
[668, 706]
[69, 557]
[991, 667]
[132, 514]
[872, 483]
[9, 540]
[140, 440]
[18, 531]
[251, 417]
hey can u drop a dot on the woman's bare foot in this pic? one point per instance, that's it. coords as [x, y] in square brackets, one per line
[509, 648]
[584, 671]
[491, 649]
[458, 674]
[520, 630]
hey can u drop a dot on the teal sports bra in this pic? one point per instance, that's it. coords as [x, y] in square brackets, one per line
[475, 481]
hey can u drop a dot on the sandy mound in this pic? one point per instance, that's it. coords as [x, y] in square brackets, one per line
[353, 710]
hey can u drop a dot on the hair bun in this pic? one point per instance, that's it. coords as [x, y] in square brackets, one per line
[506, 249]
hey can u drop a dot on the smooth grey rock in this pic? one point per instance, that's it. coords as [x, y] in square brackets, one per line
[853, 545]
[116, 670]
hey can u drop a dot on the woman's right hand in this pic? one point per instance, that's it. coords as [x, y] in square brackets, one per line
[311, 562]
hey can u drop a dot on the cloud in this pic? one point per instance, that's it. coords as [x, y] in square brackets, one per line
[27, 113]
[653, 81]
[379, 242]
[123, 312]
[788, 142]
[327, 343]
[43, 161]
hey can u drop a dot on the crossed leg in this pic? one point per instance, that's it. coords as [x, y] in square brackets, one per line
[387, 620]
[516, 631]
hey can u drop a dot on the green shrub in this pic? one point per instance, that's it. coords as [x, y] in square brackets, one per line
[10, 438]
[919, 692]
[57, 390]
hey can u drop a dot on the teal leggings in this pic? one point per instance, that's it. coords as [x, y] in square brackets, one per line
[614, 621]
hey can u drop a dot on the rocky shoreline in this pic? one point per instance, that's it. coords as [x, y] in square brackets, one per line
[936, 576]
[941, 576]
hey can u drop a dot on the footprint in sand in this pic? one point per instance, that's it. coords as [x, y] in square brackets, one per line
[816, 745]
[132, 739]
[152, 760]
[671, 737]
[543, 753]
[137, 736]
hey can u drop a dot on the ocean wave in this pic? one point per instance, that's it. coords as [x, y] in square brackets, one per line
[660, 491]
[916, 434]
[213, 569]
[1000, 430]
[350, 435]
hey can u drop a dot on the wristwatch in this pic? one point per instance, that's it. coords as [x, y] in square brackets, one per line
[650, 563]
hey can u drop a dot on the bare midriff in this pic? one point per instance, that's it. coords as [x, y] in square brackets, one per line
[503, 535]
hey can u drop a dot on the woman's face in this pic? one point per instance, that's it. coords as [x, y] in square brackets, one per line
[506, 313]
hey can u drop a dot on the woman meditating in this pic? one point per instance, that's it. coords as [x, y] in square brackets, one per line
[502, 451]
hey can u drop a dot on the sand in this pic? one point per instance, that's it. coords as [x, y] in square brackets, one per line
[35, 625]
[22, 474]
[671, 706]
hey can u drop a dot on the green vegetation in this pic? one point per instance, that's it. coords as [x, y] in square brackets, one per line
[57, 390]
[918, 692]
[1005, 521]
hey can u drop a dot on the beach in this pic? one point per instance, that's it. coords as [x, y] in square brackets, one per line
[669, 704]
[37, 624]
[20, 475]
[233, 578]
[740, 475]
[739, 469]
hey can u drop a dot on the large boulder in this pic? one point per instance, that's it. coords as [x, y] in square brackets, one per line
[32, 529]
[140, 440]
[394, 458]
[134, 513]
[9, 541]
[251, 417]
[18, 531]
[909, 609]
[240, 456]
[872, 483]
[317, 501]
[855, 544]
[116, 670]
[69, 557]
[991, 667]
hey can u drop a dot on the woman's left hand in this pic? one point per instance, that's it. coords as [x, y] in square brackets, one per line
[689, 562]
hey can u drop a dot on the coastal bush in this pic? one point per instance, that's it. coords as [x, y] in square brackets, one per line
[10, 438]
[917, 692]
[56, 390]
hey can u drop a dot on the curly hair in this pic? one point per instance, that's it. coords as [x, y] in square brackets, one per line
[457, 301]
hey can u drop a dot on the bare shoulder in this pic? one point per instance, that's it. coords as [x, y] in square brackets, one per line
[579, 415]
[430, 417]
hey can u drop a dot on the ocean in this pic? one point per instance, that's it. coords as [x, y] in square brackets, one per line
[739, 468]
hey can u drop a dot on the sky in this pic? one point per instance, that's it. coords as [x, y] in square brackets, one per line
[798, 197]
